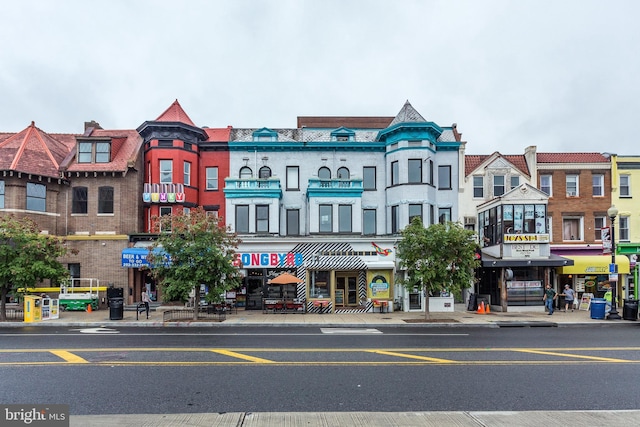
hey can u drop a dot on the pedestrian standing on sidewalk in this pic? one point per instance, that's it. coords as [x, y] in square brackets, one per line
[549, 298]
[568, 297]
[146, 300]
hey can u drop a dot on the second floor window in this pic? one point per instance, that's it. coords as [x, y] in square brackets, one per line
[369, 177]
[572, 185]
[498, 185]
[293, 178]
[599, 222]
[545, 184]
[395, 173]
[105, 200]
[166, 171]
[415, 171]
[623, 229]
[598, 185]
[36, 197]
[262, 218]
[293, 222]
[79, 202]
[1, 194]
[444, 177]
[212, 178]
[187, 173]
[625, 186]
[242, 218]
[478, 186]
[369, 221]
[415, 210]
[444, 215]
[571, 228]
[395, 219]
[344, 219]
[515, 181]
[326, 219]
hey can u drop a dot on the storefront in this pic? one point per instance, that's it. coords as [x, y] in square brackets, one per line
[591, 274]
[140, 278]
[517, 282]
[339, 277]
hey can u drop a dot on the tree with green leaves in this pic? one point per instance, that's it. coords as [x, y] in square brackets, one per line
[438, 258]
[191, 250]
[27, 257]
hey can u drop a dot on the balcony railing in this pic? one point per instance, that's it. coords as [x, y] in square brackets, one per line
[334, 187]
[252, 187]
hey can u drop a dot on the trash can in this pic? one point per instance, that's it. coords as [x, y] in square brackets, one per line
[630, 309]
[598, 306]
[116, 308]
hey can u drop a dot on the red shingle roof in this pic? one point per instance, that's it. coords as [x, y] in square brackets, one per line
[34, 151]
[175, 113]
[473, 161]
[218, 134]
[571, 158]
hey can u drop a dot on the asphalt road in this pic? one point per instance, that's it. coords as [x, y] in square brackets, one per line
[294, 369]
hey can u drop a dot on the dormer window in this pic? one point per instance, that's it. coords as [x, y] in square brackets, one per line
[94, 151]
[343, 135]
[265, 135]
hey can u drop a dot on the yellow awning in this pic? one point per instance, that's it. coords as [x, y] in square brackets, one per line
[594, 264]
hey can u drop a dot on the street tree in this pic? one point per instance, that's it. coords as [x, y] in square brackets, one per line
[438, 258]
[194, 249]
[27, 257]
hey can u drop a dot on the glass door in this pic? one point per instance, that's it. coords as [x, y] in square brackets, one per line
[346, 290]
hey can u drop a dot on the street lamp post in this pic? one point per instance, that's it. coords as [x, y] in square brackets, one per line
[613, 314]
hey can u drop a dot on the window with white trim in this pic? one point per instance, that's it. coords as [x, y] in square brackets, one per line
[625, 186]
[478, 186]
[498, 185]
[598, 223]
[545, 184]
[212, 178]
[572, 228]
[187, 173]
[623, 229]
[571, 182]
[166, 171]
[598, 185]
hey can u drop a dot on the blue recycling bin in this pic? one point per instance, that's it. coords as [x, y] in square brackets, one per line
[598, 306]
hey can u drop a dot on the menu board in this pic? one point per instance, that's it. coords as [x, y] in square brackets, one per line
[585, 301]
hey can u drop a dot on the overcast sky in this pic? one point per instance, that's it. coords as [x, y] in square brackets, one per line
[561, 75]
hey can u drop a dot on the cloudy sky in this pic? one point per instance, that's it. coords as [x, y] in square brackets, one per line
[559, 74]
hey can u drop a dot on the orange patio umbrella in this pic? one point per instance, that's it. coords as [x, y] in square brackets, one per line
[285, 279]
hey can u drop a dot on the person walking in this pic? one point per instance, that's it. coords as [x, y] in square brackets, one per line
[145, 301]
[569, 296]
[549, 298]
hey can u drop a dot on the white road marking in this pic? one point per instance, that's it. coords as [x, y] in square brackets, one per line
[97, 331]
[349, 331]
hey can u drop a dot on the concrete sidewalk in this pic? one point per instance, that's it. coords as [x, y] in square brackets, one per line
[517, 316]
[368, 419]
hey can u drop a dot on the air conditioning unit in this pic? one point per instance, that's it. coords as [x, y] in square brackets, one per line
[571, 193]
[469, 220]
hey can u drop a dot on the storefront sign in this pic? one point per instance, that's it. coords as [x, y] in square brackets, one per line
[525, 250]
[269, 259]
[515, 238]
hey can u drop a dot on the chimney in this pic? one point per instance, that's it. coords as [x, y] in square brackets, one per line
[91, 125]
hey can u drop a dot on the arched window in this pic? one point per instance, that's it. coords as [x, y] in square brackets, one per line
[324, 173]
[264, 172]
[343, 173]
[245, 172]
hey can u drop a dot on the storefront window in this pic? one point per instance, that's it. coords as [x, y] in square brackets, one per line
[319, 285]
